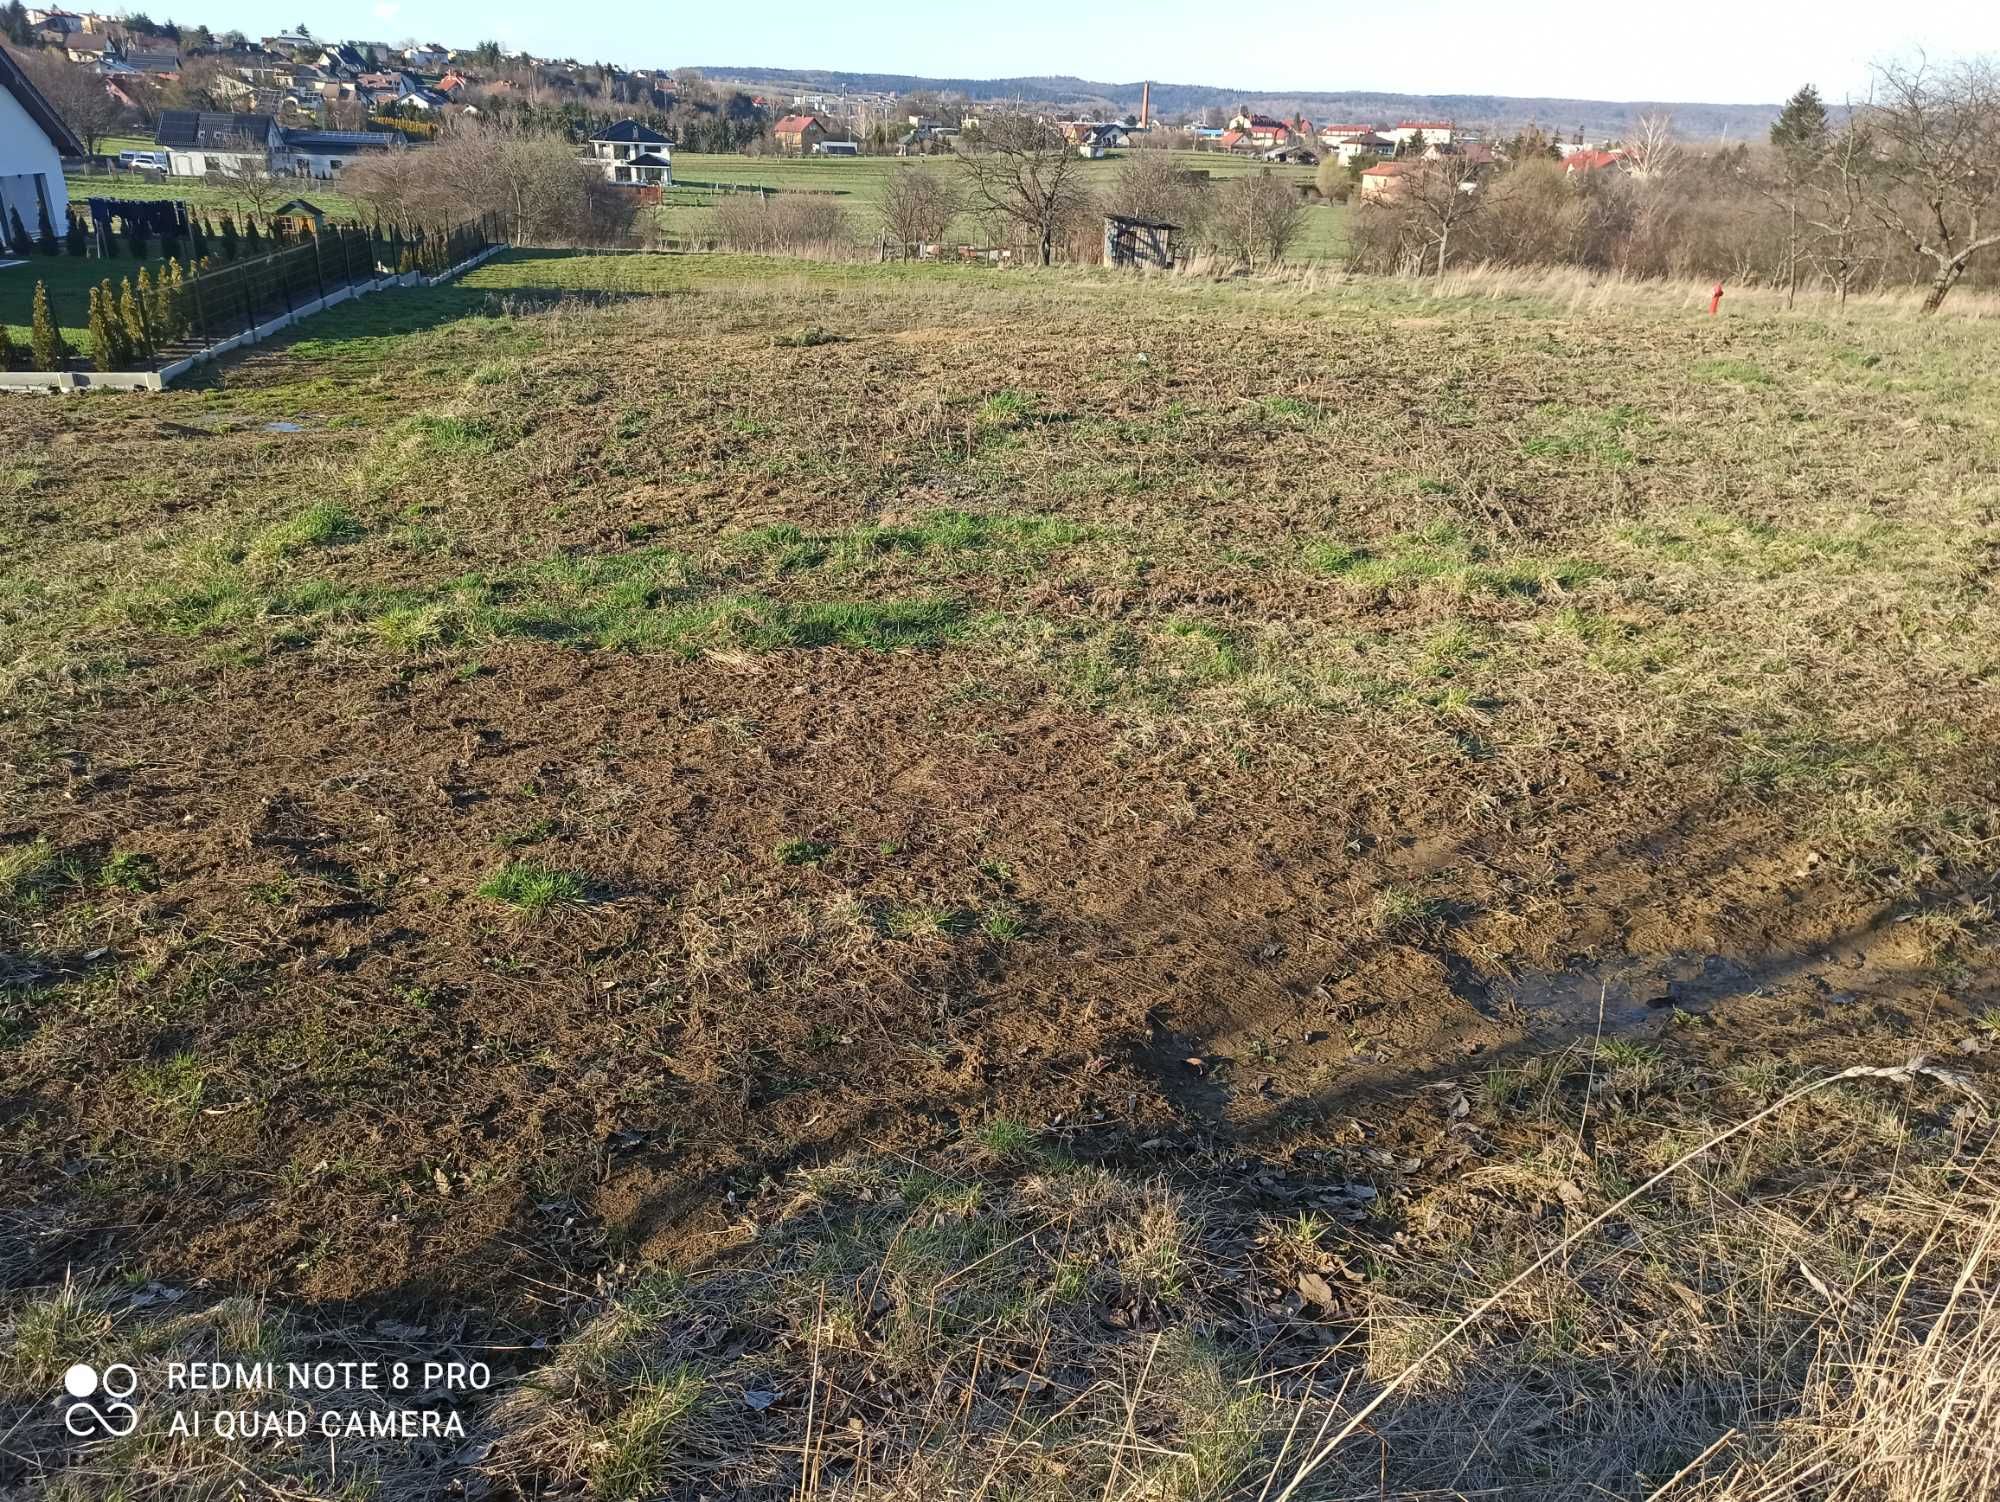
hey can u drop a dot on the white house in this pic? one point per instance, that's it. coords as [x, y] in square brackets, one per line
[633, 155]
[33, 142]
[1434, 132]
[323, 153]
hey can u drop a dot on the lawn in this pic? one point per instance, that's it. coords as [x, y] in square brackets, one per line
[69, 280]
[928, 881]
[211, 196]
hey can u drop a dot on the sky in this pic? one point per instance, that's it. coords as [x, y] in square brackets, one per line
[1707, 51]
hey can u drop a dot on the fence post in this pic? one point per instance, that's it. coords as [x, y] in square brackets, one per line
[200, 311]
[249, 313]
[319, 273]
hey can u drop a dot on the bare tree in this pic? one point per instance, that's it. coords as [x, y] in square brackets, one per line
[1838, 216]
[918, 204]
[1442, 195]
[532, 178]
[77, 94]
[1653, 153]
[1256, 218]
[1024, 173]
[1151, 185]
[1938, 134]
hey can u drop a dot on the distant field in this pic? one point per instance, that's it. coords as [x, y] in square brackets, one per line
[701, 179]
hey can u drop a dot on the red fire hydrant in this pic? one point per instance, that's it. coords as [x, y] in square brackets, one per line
[1715, 302]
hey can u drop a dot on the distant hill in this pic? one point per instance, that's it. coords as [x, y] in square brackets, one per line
[1594, 117]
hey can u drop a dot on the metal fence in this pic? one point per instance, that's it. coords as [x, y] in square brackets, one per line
[239, 296]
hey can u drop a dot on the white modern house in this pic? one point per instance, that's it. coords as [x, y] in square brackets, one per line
[33, 142]
[633, 155]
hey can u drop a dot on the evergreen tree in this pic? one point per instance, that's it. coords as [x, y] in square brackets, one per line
[1800, 128]
[135, 236]
[253, 243]
[228, 238]
[177, 302]
[45, 339]
[45, 234]
[17, 233]
[10, 358]
[77, 242]
[153, 304]
[137, 336]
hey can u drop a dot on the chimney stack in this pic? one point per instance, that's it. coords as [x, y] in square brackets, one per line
[1145, 105]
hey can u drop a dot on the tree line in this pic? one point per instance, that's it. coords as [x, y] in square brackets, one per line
[1899, 190]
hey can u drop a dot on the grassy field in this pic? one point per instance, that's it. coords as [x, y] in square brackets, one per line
[212, 197]
[909, 882]
[700, 180]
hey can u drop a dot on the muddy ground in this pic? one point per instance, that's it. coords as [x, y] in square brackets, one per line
[264, 1032]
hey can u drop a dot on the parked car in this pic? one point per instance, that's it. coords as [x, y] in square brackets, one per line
[143, 161]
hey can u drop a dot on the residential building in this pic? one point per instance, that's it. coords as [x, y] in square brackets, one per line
[1260, 131]
[1385, 180]
[1365, 144]
[203, 143]
[322, 153]
[798, 134]
[1434, 132]
[33, 142]
[1580, 163]
[88, 47]
[837, 148]
[60, 21]
[633, 155]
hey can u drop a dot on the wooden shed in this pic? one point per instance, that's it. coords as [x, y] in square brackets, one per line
[1138, 242]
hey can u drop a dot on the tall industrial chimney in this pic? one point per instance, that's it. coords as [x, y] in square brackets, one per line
[1145, 105]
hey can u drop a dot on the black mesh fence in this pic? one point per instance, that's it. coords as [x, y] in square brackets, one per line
[235, 297]
[199, 297]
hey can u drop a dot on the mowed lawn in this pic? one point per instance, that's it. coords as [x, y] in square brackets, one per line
[913, 881]
[69, 280]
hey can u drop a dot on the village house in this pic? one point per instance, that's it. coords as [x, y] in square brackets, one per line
[322, 153]
[798, 134]
[1365, 144]
[203, 143]
[1385, 180]
[1581, 163]
[633, 155]
[33, 142]
[1434, 132]
[88, 47]
[61, 22]
[1260, 131]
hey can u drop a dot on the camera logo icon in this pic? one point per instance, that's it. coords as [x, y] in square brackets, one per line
[100, 1408]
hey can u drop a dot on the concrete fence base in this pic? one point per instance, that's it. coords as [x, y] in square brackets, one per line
[166, 375]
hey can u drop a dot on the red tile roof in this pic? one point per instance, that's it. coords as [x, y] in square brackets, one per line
[1592, 161]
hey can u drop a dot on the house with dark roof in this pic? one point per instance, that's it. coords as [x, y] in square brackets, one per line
[33, 142]
[322, 153]
[633, 155]
[204, 143]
